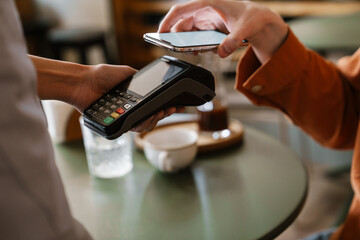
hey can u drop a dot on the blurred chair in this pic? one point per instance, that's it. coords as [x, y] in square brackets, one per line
[67, 127]
[36, 31]
[81, 40]
[35, 26]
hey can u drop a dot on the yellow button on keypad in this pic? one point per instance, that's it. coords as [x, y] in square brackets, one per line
[115, 115]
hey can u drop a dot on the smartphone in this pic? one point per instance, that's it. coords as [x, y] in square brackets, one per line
[164, 83]
[186, 41]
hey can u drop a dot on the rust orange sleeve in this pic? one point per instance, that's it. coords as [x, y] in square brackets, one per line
[315, 93]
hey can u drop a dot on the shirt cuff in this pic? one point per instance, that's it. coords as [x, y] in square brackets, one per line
[284, 67]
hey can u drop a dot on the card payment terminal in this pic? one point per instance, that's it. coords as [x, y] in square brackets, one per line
[163, 83]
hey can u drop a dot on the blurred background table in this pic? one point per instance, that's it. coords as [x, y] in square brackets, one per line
[252, 191]
[326, 34]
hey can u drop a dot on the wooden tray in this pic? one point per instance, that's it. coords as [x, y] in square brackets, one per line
[205, 143]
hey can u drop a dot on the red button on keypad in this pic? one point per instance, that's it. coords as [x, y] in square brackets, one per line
[120, 111]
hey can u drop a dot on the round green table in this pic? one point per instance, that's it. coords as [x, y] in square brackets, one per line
[252, 191]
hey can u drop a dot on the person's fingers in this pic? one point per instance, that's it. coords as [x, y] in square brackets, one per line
[231, 43]
[193, 53]
[180, 109]
[142, 126]
[121, 72]
[107, 70]
[160, 115]
[183, 25]
[151, 122]
[127, 69]
[169, 112]
[178, 12]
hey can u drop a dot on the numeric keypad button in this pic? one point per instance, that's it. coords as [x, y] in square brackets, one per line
[107, 111]
[102, 109]
[120, 111]
[127, 106]
[114, 99]
[113, 107]
[120, 102]
[128, 96]
[122, 94]
[133, 99]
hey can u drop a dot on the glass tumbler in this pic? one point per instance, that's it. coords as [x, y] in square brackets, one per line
[107, 158]
[213, 116]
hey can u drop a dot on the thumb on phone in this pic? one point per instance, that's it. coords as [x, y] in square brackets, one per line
[229, 45]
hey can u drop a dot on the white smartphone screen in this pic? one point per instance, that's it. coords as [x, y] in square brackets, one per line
[189, 39]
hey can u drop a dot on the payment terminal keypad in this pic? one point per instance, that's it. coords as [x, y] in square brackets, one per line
[112, 106]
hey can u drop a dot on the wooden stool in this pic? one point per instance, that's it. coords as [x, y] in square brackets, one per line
[80, 40]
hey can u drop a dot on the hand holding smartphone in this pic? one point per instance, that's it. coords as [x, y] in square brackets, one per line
[193, 41]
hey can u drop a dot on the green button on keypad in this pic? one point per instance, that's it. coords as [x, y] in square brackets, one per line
[108, 120]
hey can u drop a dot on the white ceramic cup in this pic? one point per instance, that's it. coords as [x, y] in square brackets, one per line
[170, 150]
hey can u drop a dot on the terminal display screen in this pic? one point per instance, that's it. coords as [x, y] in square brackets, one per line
[143, 83]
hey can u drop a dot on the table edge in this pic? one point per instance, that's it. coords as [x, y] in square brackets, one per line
[291, 218]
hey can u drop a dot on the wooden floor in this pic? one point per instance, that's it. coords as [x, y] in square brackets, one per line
[326, 201]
